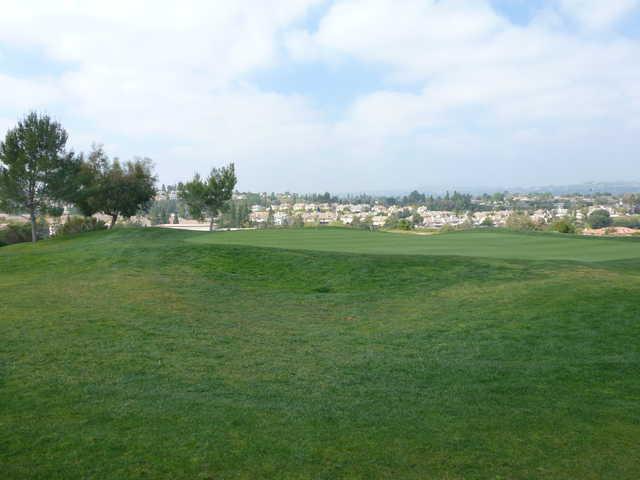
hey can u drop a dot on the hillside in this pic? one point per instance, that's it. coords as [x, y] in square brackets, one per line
[144, 353]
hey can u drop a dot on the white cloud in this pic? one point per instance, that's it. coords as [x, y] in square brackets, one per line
[159, 70]
[463, 85]
[598, 14]
[474, 67]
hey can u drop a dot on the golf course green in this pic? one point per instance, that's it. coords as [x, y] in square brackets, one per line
[489, 243]
[320, 354]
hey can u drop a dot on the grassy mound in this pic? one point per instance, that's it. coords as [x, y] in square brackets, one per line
[164, 354]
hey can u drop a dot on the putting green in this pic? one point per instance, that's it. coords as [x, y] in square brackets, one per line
[492, 244]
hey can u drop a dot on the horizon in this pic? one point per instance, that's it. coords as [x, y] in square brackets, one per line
[340, 96]
[594, 187]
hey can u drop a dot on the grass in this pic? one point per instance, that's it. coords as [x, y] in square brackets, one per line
[163, 354]
[477, 243]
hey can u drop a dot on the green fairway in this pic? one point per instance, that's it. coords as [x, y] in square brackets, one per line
[148, 353]
[475, 244]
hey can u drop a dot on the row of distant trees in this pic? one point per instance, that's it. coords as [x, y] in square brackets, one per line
[38, 175]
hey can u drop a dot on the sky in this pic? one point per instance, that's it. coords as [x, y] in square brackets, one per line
[340, 96]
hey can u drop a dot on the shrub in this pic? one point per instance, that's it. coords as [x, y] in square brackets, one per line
[630, 222]
[392, 221]
[521, 222]
[487, 222]
[21, 232]
[447, 228]
[75, 225]
[404, 224]
[298, 222]
[563, 225]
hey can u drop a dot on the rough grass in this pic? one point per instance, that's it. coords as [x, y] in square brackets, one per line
[156, 354]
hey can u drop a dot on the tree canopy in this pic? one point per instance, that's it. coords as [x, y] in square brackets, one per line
[112, 187]
[599, 219]
[208, 197]
[33, 166]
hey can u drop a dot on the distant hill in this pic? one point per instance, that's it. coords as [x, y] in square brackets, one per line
[589, 187]
[581, 188]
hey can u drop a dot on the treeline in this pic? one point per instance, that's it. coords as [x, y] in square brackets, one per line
[38, 175]
[458, 202]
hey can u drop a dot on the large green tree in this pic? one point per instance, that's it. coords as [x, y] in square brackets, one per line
[208, 197]
[599, 219]
[34, 167]
[113, 188]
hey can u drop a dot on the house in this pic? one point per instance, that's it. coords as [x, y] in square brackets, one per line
[258, 217]
[611, 210]
[379, 220]
[309, 217]
[379, 209]
[280, 218]
[325, 218]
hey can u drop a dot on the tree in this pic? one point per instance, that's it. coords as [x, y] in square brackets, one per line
[599, 219]
[164, 216]
[631, 200]
[114, 188]
[33, 166]
[298, 221]
[211, 196]
[521, 221]
[125, 189]
[366, 223]
[563, 225]
[270, 220]
[391, 222]
[414, 198]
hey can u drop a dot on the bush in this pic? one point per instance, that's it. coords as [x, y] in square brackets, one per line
[563, 226]
[630, 222]
[447, 228]
[75, 225]
[521, 222]
[298, 222]
[391, 222]
[21, 232]
[487, 222]
[404, 224]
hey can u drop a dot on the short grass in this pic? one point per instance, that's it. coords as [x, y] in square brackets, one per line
[477, 243]
[163, 354]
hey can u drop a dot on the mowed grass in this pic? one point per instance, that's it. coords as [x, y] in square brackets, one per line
[154, 354]
[478, 243]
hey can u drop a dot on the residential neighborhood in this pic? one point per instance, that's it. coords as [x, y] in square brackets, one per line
[481, 212]
[412, 212]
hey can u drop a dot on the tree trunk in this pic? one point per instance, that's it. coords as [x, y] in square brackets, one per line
[211, 225]
[114, 218]
[34, 237]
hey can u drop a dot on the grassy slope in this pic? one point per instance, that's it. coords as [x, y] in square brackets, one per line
[493, 244]
[145, 354]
